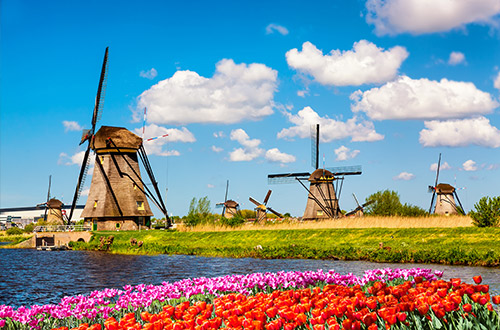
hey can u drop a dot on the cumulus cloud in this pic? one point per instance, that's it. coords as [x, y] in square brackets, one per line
[331, 129]
[76, 159]
[364, 64]
[150, 74]
[469, 166]
[404, 176]
[456, 58]
[236, 92]
[155, 147]
[85, 191]
[406, 98]
[219, 134]
[344, 153]
[427, 16]
[444, 166]
[71, 126]
[496, 83]
[216, 149]
[271, 28]
[251, 148]
[460, 133]
[274, 155]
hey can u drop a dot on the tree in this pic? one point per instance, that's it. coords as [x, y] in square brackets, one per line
[385, 203]
[199, 212]
[487, 212]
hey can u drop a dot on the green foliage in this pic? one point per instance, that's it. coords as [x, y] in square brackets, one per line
[235, 221]
[487, 212]
[199, 212]
[386, 203]
[409, 210]
[248, 214]
[287, 215]
[29, 228]
[14, 231]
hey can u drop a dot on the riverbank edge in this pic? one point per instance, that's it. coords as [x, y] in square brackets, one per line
[236, 245]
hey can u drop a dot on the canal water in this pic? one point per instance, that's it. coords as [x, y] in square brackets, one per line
[31, 277]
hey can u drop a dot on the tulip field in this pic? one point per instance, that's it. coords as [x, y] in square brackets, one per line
[312, 300]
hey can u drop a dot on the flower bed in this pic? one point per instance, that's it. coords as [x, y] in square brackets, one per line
[383, 298]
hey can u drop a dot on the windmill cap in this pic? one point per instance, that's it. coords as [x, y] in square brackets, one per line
[54, 203]
[320, 175]
[231, 203]
[121, 137]
[445, 188]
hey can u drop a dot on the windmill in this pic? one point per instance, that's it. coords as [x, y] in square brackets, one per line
[262, 208]
[118, 197]
[230, 208]
[360, 209]
[53, 208]
[323, 195]
[446, 195]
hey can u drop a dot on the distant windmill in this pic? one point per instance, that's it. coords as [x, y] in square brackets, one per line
[53, 208]
[446, 196]
[262, 208]
[118, 196]
[230, 208]
[323, 196]
[360, 209]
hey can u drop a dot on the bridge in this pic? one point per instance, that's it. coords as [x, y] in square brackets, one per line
[57, 236]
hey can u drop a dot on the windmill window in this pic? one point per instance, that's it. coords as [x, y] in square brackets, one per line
[140, 205]
[95, 204]
[319, 212]
[135, 186]
[102, 159]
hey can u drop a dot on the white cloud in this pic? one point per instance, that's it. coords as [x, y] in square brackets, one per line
[76, 159]
[244, 155]
[456, 58]
[236, 92]
[469, 166]
[251, 148]
[274, 155]
[85, 191]
[405, 176]
[460, 133]
[216, 149]
[365, 64]
[442, 167]
[344, 153]
[219, 134]
[210, 186]
[496, 83]
[71, 126]
[406, 98]
[271, 28]
[150, 74]
[155, 147]
[428, 16]
[330, 129]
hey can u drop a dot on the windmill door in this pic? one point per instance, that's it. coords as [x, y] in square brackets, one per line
[94, 224]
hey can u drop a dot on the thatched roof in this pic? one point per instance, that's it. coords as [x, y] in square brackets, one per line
[122, 137]
[54, 203]
[444, 188]
[321, 175]
[231, 204]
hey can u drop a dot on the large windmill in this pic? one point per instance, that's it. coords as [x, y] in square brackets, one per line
[323, 194]
[262, 208]
[446, 196]
[230, 208]
[118, 197]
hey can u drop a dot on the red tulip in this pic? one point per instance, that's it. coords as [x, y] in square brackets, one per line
[477, 279]
[496, 300]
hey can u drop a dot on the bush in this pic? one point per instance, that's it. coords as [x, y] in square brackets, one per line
[29, 228]
[487, 212]
[14, 231]
[385, 203]
[235, 221]
[199, 212]
[409, 210]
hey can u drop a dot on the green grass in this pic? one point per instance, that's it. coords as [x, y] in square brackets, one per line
[461, 246]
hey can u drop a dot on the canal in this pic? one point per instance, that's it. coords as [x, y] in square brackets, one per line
[30, 277]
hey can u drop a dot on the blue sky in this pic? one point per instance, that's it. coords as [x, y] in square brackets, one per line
[237, 85]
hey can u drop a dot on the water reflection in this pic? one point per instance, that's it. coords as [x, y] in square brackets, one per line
[29, 277]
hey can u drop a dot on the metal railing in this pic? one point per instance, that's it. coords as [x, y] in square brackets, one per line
[52, 228]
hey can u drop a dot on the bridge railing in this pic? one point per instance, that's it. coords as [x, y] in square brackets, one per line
[52, 228]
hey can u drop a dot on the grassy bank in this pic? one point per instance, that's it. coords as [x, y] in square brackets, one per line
[14, 239]
[460, 246]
